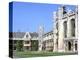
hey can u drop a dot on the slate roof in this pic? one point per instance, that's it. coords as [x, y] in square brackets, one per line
[34, 34]
[51, 32]
[16, 34]
[21, 34]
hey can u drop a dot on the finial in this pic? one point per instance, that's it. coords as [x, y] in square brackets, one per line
[54, 15]
[69, 10]
[76, 9]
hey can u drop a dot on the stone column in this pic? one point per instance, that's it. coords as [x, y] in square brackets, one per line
[68, 28]
[68, 24]
[54, 32]
[64, 46]
[76, 27]
[60, 30]
[76, 22]
[61, 37]
[74, 45]
[55, 43]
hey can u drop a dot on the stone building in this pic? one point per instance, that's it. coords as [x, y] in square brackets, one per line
[48, 41]
[65, 30]
[28, 40]
[62, 38]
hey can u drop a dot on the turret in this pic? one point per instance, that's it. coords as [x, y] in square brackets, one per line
[61, 12]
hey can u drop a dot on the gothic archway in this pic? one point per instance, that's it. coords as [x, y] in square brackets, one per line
[75, 46]
[73, 27]
[69, 46]
[65, 28]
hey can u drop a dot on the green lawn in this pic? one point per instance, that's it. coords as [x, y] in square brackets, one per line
[39, 54]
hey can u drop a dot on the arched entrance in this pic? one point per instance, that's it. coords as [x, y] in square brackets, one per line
[75, 46]
[69, 46]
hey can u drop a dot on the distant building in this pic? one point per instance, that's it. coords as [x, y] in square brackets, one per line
[29, 40]
[48, 41]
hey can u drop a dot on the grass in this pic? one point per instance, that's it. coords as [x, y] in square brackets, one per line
[39, 54]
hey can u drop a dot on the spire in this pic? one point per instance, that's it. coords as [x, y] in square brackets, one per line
[76, 10]
[69, 10]
[54, 15]
[41, 32]
[54, 19]
[60, 13]
[62, 9]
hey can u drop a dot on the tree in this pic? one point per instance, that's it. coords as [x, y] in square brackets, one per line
[19, 45]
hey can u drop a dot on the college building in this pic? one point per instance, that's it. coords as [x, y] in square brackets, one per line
[65, 30]
[62, 38]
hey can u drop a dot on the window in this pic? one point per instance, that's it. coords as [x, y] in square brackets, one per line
[73, 27]
[69, 46]
[73, 34]
[26, 42]
[57, 26]
[75, 46]
[65, 28]
[57, 34]
[26, 36]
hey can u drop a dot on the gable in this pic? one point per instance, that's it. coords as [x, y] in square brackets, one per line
[27, 35]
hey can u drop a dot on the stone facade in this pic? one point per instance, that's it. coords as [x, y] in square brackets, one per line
[65, 30]
[29, 40]
[62, 38]
[48, 41]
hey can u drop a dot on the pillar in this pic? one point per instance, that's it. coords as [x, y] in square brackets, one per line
[61, 37]
[64, 46]
[60, 30]
[54, 32]
[74, 45]
[68, 28]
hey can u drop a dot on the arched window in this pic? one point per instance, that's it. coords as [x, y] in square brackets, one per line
[76, 46]
[73, 27]
[65, 28]
[26, 36]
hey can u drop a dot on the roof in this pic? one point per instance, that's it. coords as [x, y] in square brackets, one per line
[17, 34]
[21, 34]
[34, 34]
[50, 32]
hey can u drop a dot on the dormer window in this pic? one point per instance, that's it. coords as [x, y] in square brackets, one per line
[27, 42]
[26, 36]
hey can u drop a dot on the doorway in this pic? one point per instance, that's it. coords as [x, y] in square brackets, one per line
[75, 46]
[69, 46]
